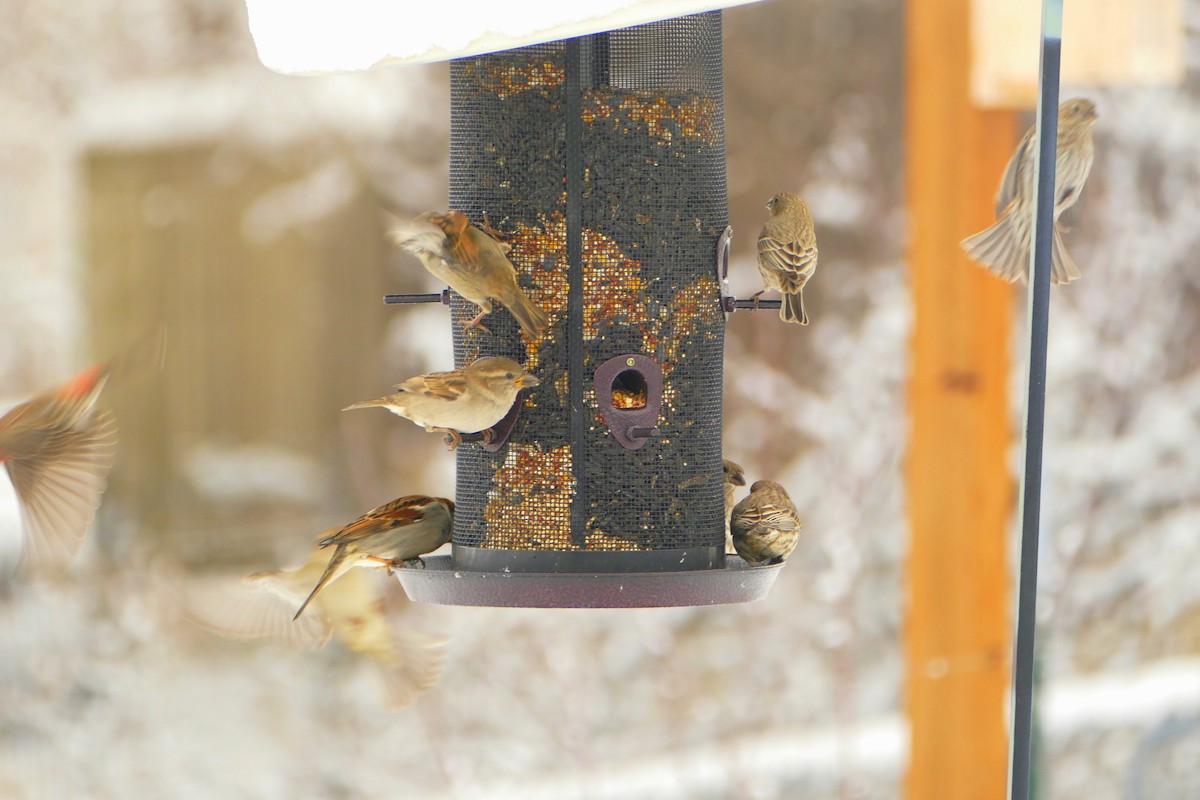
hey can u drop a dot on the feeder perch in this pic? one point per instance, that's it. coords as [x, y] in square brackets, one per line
[629, 393]
[600, 163]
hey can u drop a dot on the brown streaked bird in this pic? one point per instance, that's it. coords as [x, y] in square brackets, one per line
[1004, 248]
[58, 449]
[787, 254]
[467, 400]
[351, 610]
[397, 532]
[472, 263]
[735, 476]
[765, 524]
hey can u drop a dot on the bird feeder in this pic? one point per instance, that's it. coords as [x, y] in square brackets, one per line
[599, 161]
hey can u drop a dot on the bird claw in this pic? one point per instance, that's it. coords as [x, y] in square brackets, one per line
[488, 435]
[474, 322]
[757, 297]
[452, 438]
[486, 227]
[384, 563]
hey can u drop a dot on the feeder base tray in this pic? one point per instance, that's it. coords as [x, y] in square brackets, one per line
[441, 583]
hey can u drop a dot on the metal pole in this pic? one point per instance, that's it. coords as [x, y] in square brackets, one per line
[1021, 753]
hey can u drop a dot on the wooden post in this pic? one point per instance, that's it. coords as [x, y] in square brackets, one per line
[960, 493]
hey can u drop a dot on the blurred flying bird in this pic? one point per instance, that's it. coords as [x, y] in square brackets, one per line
[735, 476]
[58, 449]
[1005, 247]
[765, 525]
[351, 609]
[472, 263]
[466, 400]
[398, 532]
[787, 254]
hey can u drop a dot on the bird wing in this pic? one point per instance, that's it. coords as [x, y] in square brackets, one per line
[793, 261]
[408, 661]
[421, 236]
[761, 518]
[59, 488]
[401, 511]
[1010, 183]
[443, 385]
[257, 607]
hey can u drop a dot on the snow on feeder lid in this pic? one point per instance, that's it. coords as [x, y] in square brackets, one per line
[308, 37]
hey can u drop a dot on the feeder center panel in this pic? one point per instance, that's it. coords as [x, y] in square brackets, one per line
[600, 161]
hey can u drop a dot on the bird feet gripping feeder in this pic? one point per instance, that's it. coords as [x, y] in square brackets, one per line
[601, 162]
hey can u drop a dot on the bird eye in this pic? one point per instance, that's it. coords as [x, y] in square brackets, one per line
[508, 375]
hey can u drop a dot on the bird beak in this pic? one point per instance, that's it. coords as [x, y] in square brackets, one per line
[526, 381]
[737, 479]
[378, 401]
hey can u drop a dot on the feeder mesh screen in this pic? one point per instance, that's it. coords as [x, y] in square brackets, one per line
[653, 207]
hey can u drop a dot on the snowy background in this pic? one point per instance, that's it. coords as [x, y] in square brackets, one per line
[106, 691]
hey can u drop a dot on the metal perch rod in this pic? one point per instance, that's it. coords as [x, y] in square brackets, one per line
[728, 303]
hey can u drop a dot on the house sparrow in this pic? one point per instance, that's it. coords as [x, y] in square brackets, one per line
[787, 253]
[351, 610]
[400, 531]
[58, 449]
[1004, 248]
[465, 400]
[735, 476]
[472, 263]
[765, 525]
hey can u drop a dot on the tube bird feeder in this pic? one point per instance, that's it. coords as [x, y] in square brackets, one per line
[599, 162]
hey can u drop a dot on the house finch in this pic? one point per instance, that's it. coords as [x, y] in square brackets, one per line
[58, 448]
[765, 525]
[1004, 248]
[787, 253]
[351, 610]
[465, 400]
[735, 476]
[400, 531]
[472, 264]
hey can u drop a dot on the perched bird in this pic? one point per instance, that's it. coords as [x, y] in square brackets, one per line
[735, 476]
[1004, 248]
[765, 525]
[400, 531]
[472, 263]
[352, 610]
[58, 449]
[787, 253]
[465, 400]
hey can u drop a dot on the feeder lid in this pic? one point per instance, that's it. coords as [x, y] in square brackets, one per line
[307, 37]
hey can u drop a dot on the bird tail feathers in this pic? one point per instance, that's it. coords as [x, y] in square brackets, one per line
[792, 308]
[529, 315]
[1062, 266]
[998, 249]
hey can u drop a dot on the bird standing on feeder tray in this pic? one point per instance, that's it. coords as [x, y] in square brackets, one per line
[1004, 248]
[765, 525]
[462, 401]
[473, 264]
[787, 254]
[58, 449]
[735, 476]
[400, 531]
